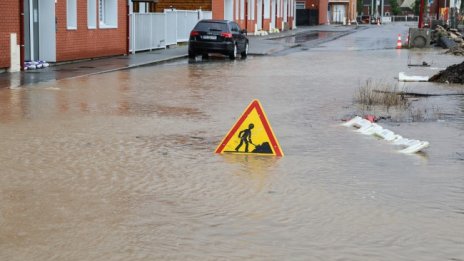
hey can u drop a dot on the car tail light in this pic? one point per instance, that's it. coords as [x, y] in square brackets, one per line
[226, 35]
[194, 33]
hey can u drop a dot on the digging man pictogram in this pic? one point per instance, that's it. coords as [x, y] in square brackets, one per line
[245, 137]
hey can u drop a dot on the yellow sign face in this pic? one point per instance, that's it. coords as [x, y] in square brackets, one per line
[252, 134]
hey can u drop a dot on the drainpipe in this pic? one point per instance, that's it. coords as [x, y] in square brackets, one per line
[31, 30]
[21, 34]
[127, 28]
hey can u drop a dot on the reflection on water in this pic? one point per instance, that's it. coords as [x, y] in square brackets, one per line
[305, 37]
[121, 166]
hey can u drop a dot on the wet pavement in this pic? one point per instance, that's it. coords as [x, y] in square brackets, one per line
[259, 45]
[121, 165]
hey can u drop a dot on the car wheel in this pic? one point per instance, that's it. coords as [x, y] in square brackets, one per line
[245, 52]
[233, 54]
[191, 55]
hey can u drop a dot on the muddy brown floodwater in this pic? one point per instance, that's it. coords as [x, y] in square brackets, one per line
[120, 166]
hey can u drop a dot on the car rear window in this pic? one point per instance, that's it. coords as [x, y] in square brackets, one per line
[211, 26]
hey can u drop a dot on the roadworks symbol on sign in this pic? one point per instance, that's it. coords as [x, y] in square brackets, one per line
[251, 134]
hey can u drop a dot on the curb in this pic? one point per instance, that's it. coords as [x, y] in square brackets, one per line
[165, 60]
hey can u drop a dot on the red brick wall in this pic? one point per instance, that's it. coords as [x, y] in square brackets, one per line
[290, 22]
[217, 7]
[312, 4]
[323, 8]
[9, 13]
[267, 24]
[279, 23]
[183, 5]
[89, 43]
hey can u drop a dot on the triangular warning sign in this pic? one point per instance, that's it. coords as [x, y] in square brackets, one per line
[251, 134]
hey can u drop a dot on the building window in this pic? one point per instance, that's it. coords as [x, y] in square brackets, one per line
[92, 14]
[242, 9]
[252, 9]
[108, 13]
[71, 14]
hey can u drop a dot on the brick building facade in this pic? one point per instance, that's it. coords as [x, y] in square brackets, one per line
[312, 12]
[342, 11]
[184, 5]
[9, 12]
[161, 5]
[62, 30]
[82, 42]
[257, 15]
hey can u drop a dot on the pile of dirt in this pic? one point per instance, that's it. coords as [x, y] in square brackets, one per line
[452, 74]
[450, 39]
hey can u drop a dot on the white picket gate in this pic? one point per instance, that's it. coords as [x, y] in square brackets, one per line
[157, 30]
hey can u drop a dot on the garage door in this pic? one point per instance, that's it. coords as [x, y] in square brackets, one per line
[338, 13]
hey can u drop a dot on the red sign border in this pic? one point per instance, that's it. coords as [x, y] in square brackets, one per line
[254, 105]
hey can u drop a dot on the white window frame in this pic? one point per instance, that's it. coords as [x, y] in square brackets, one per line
[143, 8]
[71, 14]
[108, 13]
[267, 9]
[285, 14]
[242, 9]
[300, 5]
[92, 14]
[251, 9]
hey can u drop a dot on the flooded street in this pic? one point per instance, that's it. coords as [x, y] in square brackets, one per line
[121, 166]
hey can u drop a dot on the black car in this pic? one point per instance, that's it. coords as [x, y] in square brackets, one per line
[217, 36]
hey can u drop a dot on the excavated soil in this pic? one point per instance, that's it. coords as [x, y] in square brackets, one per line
[452, 74]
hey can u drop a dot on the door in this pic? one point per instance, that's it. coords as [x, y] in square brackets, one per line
[314, 17]
[302, 17]
[39, 30]
[31, 30]
[47, 31]
[339, 13]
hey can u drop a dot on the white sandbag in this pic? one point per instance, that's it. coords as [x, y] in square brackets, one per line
[366, 127]
[373, 128]
[402, 77]
[415, 147]
[386, 134]
[357, 122]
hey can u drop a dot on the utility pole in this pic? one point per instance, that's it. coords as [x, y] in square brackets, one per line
[381, 12]
[372, 9]
[421, 14]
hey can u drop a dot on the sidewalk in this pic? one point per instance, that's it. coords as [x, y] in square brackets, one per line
[259, 45]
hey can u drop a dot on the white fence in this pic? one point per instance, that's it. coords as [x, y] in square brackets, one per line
[157, 30]
[405, 18]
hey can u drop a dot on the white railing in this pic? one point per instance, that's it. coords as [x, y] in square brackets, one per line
[157, 30]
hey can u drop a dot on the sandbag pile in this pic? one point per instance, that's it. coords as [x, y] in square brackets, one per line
[32, 65]
[366, 127]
